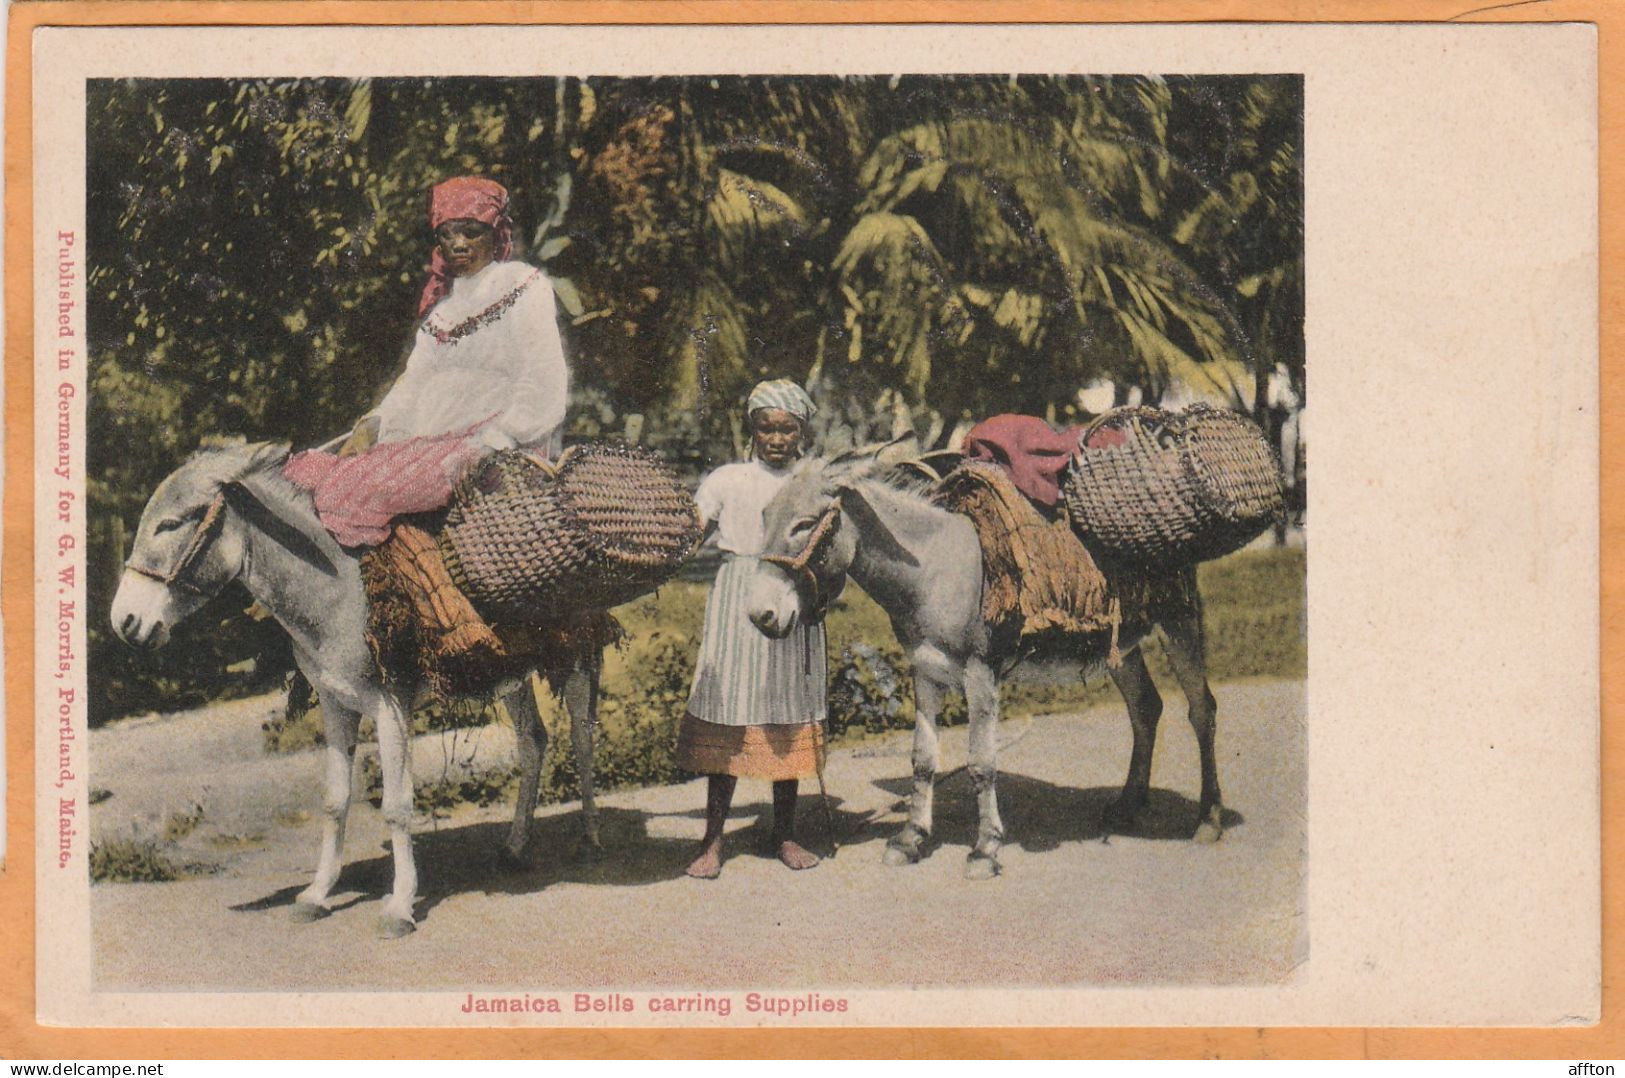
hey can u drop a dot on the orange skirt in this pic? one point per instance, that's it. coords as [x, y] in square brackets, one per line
[773, 751]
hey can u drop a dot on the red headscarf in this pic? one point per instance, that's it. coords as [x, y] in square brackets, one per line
[485, 201]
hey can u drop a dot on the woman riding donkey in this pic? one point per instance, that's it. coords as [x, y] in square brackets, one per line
[757, 705]
[486, 373]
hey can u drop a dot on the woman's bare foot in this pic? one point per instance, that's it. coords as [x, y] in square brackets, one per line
[796, 856]
[708, 864]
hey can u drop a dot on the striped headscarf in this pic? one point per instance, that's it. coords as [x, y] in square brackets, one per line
[783, 394]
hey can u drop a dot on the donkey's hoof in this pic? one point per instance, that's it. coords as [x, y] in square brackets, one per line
[393, 928]
[510, 861]
[590, 851]
[899, 855]
[981, 866]
[302, 913]
[1208, 831]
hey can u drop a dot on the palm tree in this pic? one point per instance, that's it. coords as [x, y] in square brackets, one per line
[958, 246]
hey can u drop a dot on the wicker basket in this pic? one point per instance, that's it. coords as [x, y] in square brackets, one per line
[1161, 489]
[601, 526]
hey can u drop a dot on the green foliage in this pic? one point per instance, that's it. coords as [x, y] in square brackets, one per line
[131, 860]
[923, 250]
[293, 733]
[868, 690]
[181, 824]
[1254, 614]
[300, 725]
[138, 858]
[439, 796]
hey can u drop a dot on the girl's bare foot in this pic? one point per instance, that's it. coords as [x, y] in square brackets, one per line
[719, 792]
[796, 856]
[792, 853]
[708, 864]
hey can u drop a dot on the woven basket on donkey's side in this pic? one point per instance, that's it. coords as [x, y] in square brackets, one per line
[1162, 489]
[603, 525]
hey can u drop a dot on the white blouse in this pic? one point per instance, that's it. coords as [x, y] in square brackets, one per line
[488, 353]
[734, 496]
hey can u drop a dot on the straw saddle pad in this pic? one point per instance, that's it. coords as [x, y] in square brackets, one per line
[1039, 584]
[1160, 490]
[541, 551]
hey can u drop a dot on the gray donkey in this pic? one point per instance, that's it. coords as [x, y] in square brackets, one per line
[228, 514]
[923, 565]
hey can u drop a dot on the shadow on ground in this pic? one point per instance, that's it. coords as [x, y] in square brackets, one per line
[1040, 816]
[460, 860]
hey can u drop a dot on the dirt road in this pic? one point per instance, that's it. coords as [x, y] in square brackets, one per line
[1071, 908]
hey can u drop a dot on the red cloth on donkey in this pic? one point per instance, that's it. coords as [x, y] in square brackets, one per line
[358, 498]
[1032, 452]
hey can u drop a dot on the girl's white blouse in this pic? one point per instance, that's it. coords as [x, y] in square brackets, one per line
[734, 496]
[504, 369]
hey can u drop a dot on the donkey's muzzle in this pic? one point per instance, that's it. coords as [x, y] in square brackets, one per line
[138, 616]
[771, 624]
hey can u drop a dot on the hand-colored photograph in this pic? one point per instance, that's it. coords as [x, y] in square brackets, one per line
[549, 537]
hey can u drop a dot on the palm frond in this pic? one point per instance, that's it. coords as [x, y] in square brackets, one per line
[744, 212]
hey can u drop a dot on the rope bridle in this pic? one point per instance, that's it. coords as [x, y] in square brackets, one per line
[816, 600]
[195, 548]
[802, 567]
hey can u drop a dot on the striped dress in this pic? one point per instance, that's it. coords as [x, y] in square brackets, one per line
[757, 706]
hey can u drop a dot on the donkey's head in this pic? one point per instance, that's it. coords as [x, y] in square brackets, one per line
[188, 545]
[810, 540]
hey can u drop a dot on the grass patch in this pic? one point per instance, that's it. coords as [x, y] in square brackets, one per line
[140, 859]
[299, 726]
[1254, 609]
[131, 860]
[181, 824]
[439, 796]
[244, 841]
[291, 817]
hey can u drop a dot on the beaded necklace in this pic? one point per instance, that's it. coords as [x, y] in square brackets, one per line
[483, 318]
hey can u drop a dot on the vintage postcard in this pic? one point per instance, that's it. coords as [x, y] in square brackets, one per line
[702, 526]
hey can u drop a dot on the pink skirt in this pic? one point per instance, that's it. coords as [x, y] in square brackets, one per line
[359, 497]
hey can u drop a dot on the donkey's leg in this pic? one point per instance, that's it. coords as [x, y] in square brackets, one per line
[1144, 709]
[1187, 654]
[339, 724]
[908, 846]
[395, 756]
[581, 700]
[982, 701]
[531, 742]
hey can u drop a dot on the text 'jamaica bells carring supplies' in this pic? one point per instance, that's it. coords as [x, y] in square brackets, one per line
[1164, 489]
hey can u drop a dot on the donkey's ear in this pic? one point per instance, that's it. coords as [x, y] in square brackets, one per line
[877, 534]
[253, 459]
[865, 461]
[232, 460]
[894, 452]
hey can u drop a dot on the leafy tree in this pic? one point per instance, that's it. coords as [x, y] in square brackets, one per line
[923, 250]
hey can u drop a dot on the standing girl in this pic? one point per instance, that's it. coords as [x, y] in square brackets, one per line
[757, 707]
